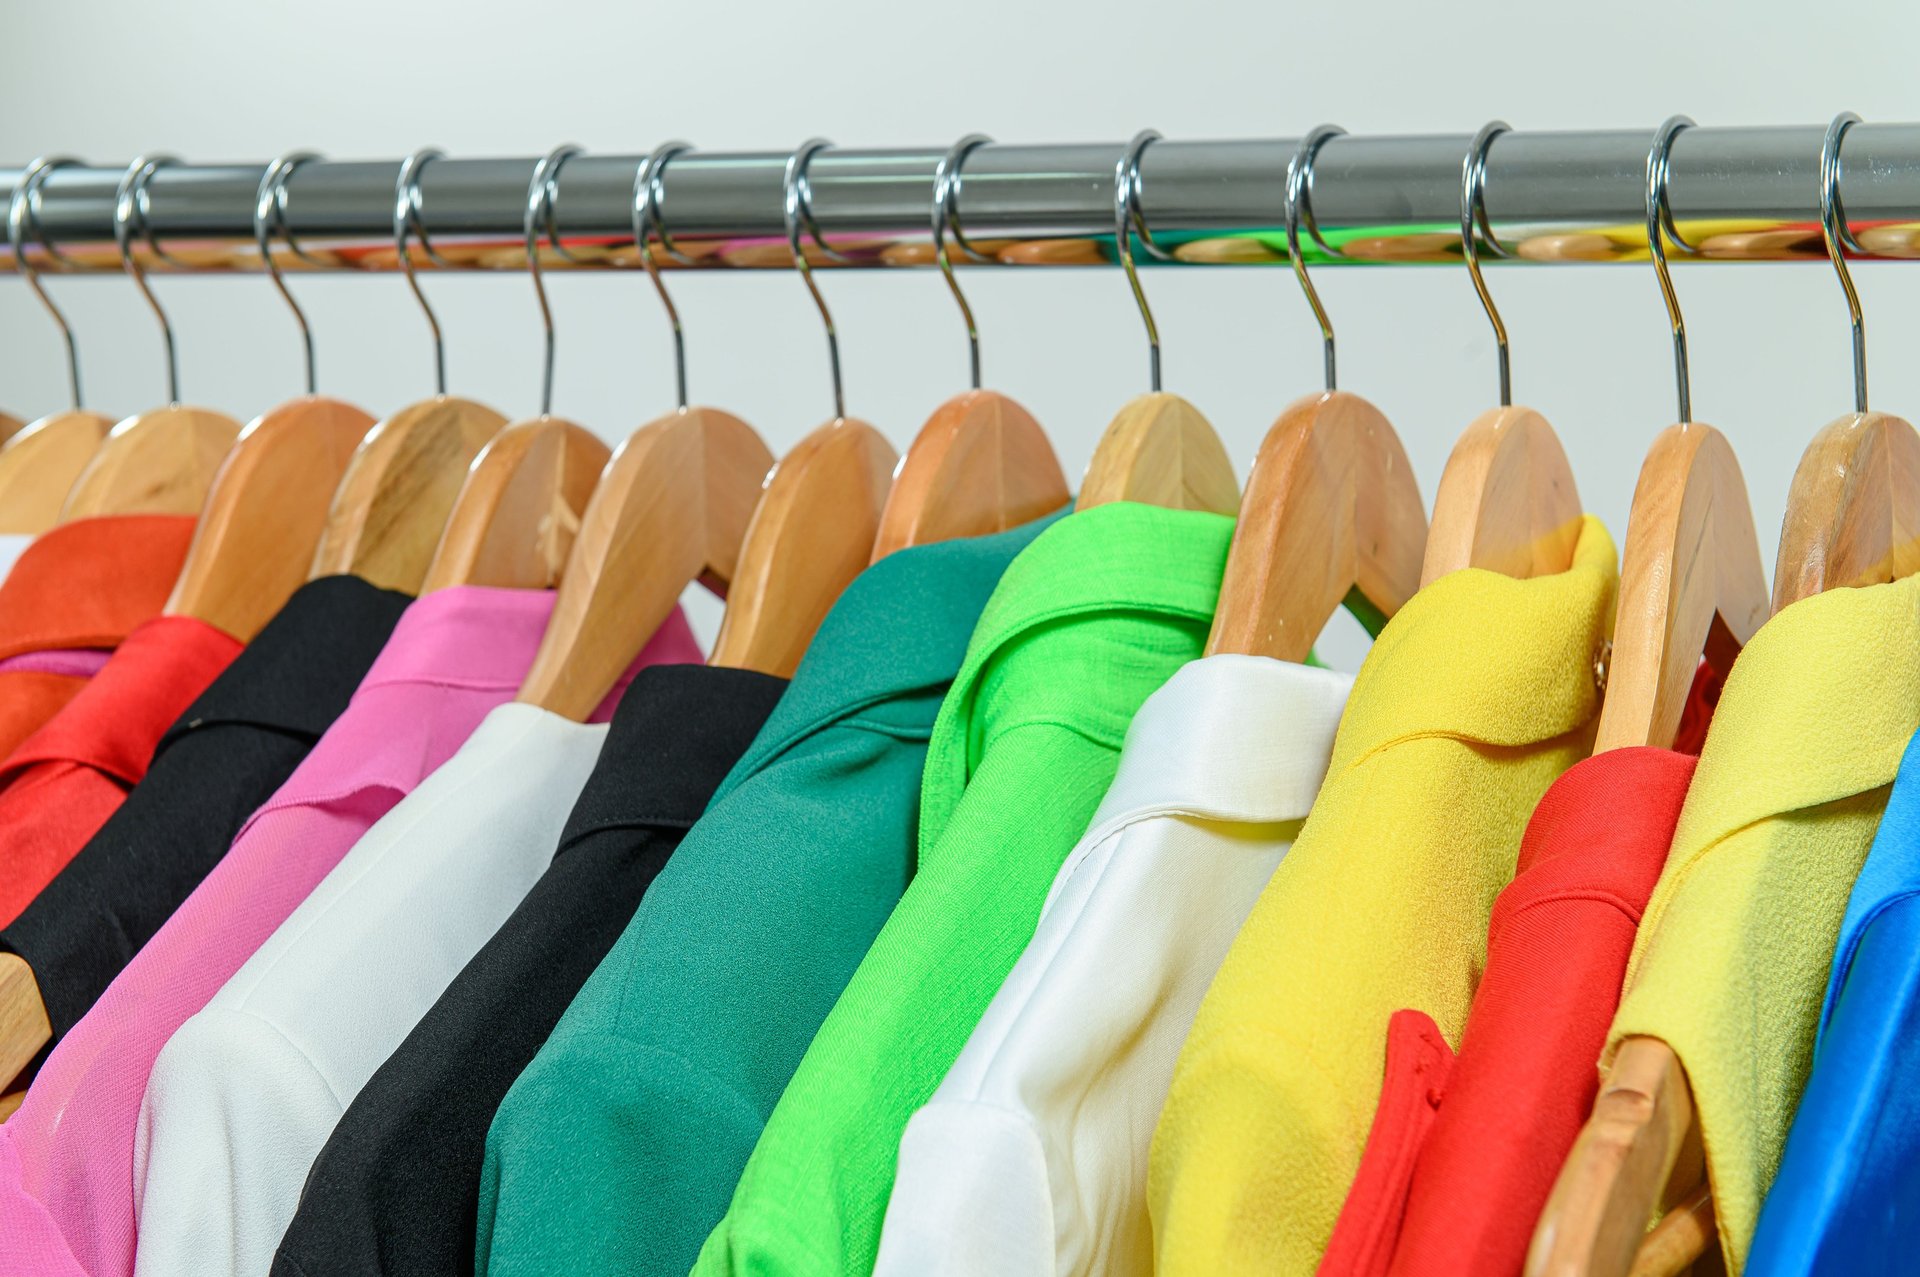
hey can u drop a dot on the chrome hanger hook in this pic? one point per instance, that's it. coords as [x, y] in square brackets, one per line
[1129, 221]
[541, 196]
[1473, 211]
[1839, 239]
[1299, 211]
[22, 216]
[649, 195]
[269, 213]
[131, 205]
[1660, 231]
[799, 214]
[409, 220]
[946, 217]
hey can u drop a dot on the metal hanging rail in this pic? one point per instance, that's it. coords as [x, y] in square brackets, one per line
[1737, 194]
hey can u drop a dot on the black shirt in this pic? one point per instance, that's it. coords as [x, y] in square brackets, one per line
[394, 1189]
[225, 757]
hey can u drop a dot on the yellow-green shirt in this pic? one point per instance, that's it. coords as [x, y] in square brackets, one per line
[1731, 961]
[1475, 697]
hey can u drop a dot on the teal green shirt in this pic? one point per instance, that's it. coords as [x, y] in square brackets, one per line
[617, 1149]
[1086, 624]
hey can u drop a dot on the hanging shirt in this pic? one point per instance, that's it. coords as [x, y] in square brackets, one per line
[66, 779]
[248, 1090]
[1474, 698]
[1465, 1198]
[222, 759]
[1042, 1124]
[1732, 959]
[393, 1189]
[1092, 617]
[456, 653]
[619, 1147]
[74, 594]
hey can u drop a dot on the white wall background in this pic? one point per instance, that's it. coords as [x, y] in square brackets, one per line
[217, 80]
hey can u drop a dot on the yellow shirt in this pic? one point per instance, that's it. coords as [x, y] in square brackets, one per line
[1732, 956]
[1474, 698]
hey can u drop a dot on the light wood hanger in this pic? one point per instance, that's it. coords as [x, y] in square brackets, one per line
[1159, 449]
[1507, 500]
[515, 519]
[1332, 513]
[10, 426]
[981, 463]
[671, 508]
[392, 505]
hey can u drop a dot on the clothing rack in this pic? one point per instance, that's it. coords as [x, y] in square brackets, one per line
[1550, 197]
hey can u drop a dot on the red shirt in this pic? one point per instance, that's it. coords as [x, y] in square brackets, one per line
[82, 585]
[62, 783]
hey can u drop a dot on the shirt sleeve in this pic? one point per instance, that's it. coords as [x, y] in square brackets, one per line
[962, 1165]
[233, 1115]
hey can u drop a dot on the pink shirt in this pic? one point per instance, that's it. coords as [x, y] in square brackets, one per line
[66, 1157]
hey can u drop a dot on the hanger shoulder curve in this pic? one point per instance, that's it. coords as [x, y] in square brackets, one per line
[10, 426]
[1853, 512]
[1160, 450]
[672, 507]
[980, 464]
[24, 1027]
[392, 504]
[1331, 506]
[811, 534]
[39, 465]
[160, 462]
[1507, 500]
[515, 519]
[264, 513]
[1691, 583]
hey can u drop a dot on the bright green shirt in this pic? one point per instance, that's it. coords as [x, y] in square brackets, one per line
[1086, 624]
[617, 1149]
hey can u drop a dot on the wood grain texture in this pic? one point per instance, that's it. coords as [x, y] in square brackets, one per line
[24, 1027]
[1616, 1176]
[1682, 1237]
[980, 464]
[672, 507]
[1507, 500]
[1159, 450]
[515, 520]
[39, 465]
[160, 462]
[263, 517]
[1332, 506]
[812, 533]
[1853, 510]
[1691, 583]
[392, 504]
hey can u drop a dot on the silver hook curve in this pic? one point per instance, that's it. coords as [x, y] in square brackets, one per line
[22, 215]
[1473, 211]
[946, 217]
[131, 205]
[649, 195]
[1128, 221]
[1660, 231]
[1839, 239]
[540, 200]
[269, 213]
[1300, 210]
[799, 215]
[409, 220]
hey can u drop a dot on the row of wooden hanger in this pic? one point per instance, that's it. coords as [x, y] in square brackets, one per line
[445, 492]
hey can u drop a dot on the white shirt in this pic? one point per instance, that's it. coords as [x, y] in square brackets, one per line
[1031, 1158]
[246, 1092]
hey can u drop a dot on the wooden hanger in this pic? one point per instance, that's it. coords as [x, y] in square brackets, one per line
[10, 426]
[981, 463]
[515, 520]
[38, 467]
[811, 534]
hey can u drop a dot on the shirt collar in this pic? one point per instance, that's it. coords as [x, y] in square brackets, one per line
[1236, 738]
[1492, 659]
[464, 636]
[677, 733]
[899, 629]
[112, 725]
[1119, 558]
[91, 582]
